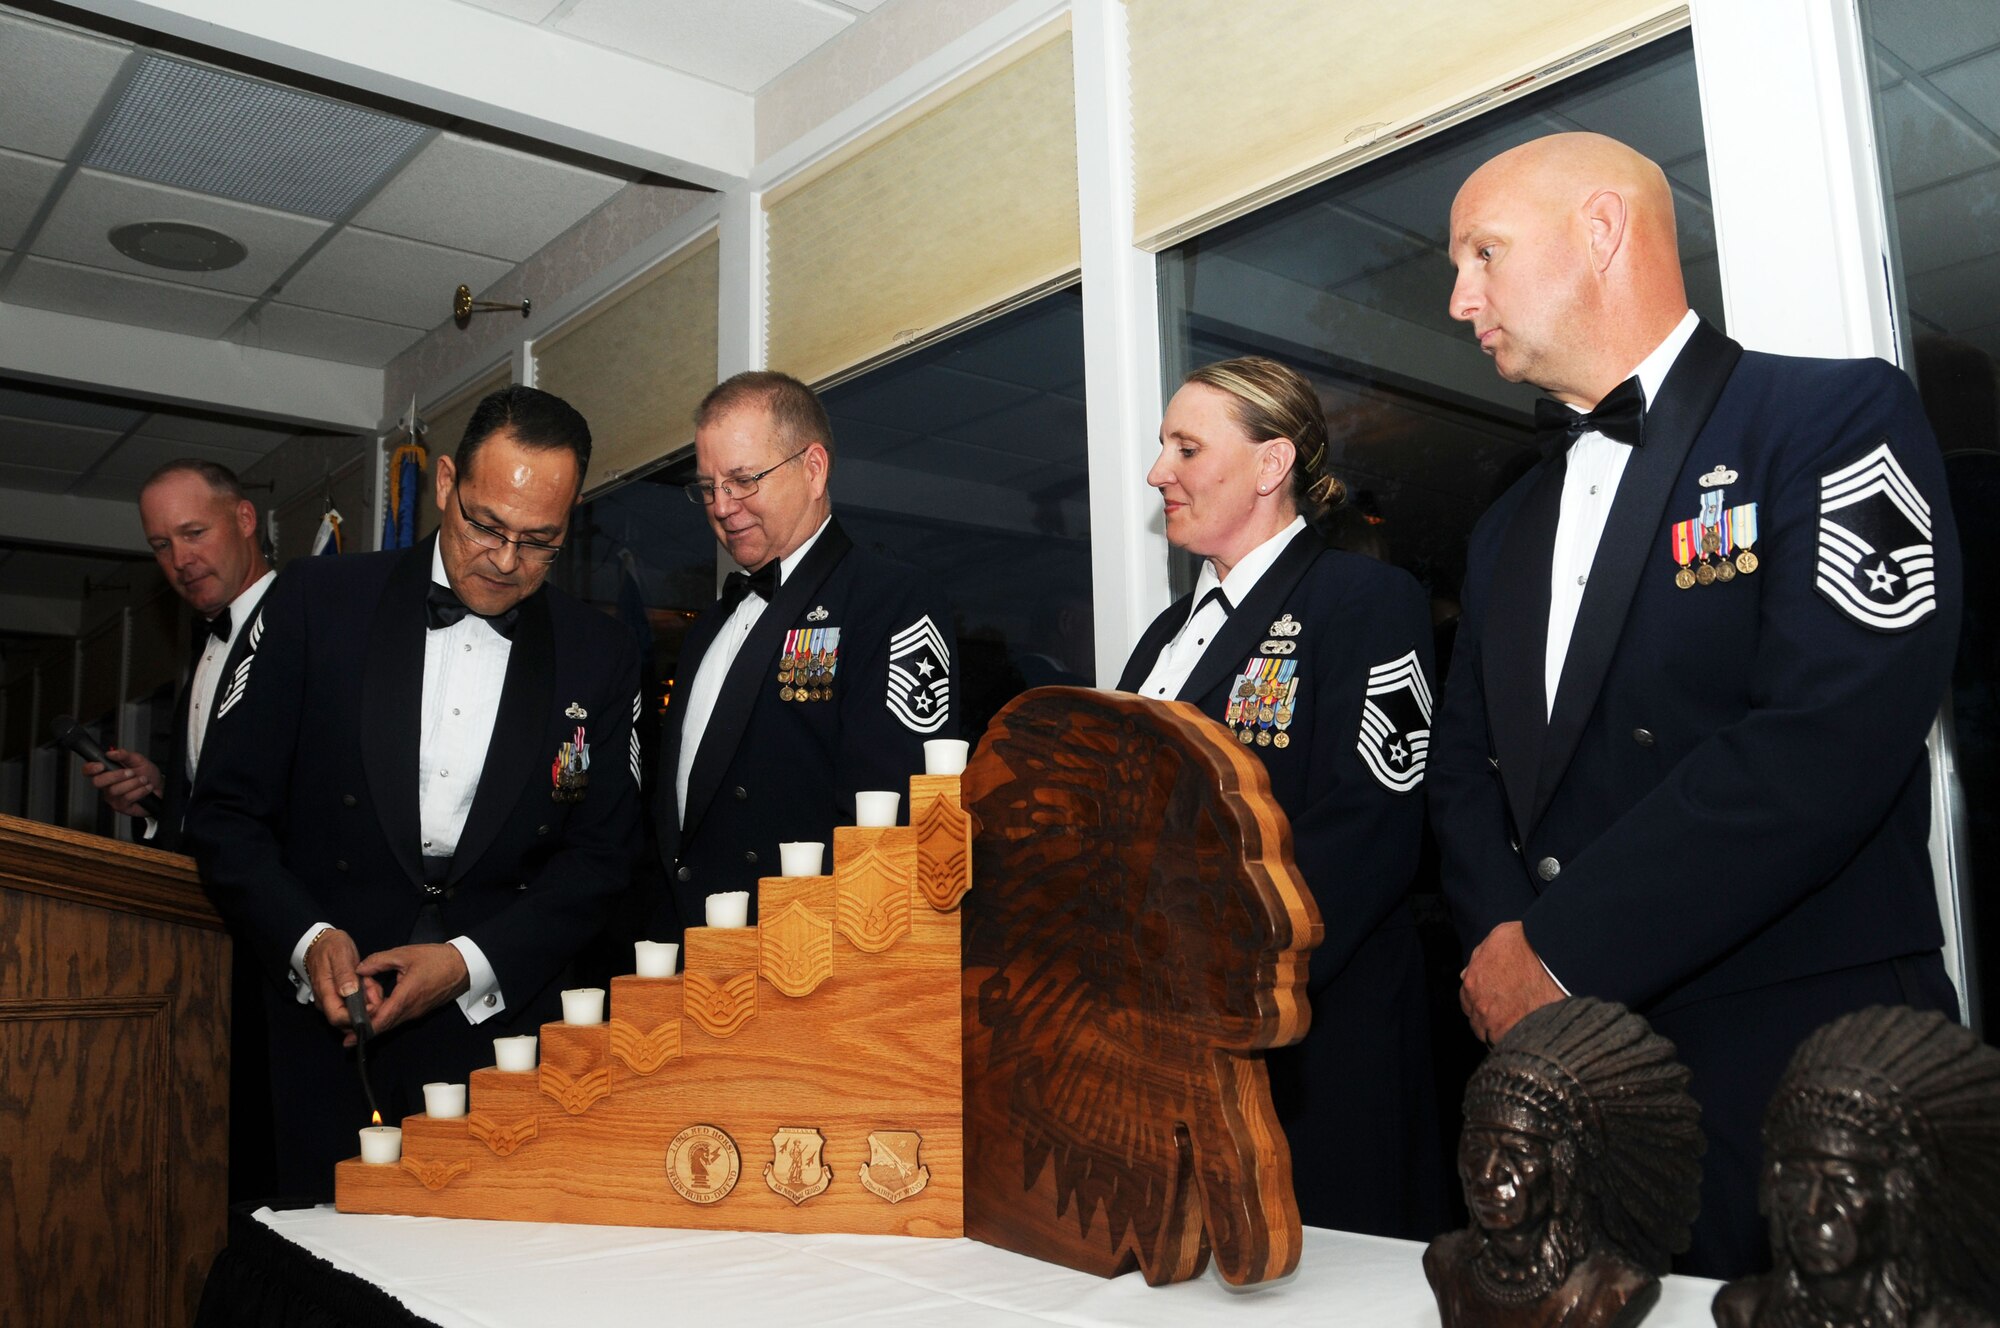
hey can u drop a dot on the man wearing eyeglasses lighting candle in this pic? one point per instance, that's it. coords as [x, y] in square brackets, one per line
[819, 673]
[422, 787]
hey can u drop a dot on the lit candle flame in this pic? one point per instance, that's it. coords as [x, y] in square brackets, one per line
[375, 1118]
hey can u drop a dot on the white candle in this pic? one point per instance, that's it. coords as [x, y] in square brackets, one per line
[381, 1145]
[730, 908]
[583, 1005]
[444, 1101]
[516, 1054]
[655, 959]
[874, 809]
[799, 859]
[945, 756]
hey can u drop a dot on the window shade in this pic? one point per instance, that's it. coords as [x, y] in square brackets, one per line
[159, 646]
[968, 205]
[638, 365]
[1235, 104]
[102, 653]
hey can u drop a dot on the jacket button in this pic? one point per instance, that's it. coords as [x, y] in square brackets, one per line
[347, 799]
[1548, 869]
[1644, 737]
[518, 885]
[541, 829]
[340, 865]
[740, 792]
[683, 875]
[750, 855]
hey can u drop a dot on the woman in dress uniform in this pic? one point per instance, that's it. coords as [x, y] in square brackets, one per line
[1319, 661]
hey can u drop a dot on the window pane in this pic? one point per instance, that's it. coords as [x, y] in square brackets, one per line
[1348, 282]
[967, 458]
[1937, 109]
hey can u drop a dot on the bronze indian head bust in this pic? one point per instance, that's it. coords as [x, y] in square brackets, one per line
[1579, 1158]
[1881, 1180]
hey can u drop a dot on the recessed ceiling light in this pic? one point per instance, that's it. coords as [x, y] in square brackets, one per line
[177, 245]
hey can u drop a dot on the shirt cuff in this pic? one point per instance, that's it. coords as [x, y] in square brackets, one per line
[482, 1000]
[302, 987]
[1552, 975]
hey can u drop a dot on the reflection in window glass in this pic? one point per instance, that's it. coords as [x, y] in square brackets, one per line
[965, 458]
[1348, 282]
[1937, 107]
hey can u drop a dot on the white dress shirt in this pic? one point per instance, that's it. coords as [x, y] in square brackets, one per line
[714, 671]
[465, 669]
[1180, 655]
[1590, 484]
[208, 669]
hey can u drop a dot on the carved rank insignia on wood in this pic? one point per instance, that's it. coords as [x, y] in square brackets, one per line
[645, 1052]
[719, 1008]
[575, 1094]
[873, 911]
[795, 949]
[502, 1139]
[435, 1175]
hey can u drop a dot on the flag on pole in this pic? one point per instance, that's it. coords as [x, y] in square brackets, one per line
[404, 482]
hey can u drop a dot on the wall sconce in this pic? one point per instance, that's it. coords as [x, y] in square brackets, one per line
[463, 306]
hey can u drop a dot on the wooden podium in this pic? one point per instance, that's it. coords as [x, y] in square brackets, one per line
[114, 1069]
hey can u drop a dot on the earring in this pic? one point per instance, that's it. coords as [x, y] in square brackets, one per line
[1263, 488]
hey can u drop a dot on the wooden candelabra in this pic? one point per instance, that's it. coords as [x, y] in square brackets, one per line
[800, 1075]
[1081, 1083]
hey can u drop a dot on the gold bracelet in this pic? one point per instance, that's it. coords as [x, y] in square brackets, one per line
[305, 960]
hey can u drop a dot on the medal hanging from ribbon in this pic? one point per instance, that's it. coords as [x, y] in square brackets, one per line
[1711, 536]
[1684, 540]
[571, 771]
[1743, 520]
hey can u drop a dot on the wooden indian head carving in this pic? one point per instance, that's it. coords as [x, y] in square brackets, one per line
[1139, 934]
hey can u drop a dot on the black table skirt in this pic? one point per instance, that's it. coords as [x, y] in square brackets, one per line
[262, 1279]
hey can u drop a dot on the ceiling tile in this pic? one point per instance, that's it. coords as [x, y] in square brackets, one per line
[79, 229]
[54, 80]
[24, 183]
[136, 458]
[213, 432]
[34, 478]
[743, 44]
[33, 403]
[1975, 85]
[325, 336]
[465, 194]
[389, 279]
[66, 288]
[528, 11]
[51, 446]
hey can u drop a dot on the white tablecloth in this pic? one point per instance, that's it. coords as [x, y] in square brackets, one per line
[463, 1274]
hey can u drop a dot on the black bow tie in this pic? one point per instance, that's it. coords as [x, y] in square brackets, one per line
[1619, 417]
[1215, 596]
[763, 582]
[443, 607]
[217, 627]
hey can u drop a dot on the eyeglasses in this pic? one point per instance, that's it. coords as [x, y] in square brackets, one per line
[493, 541]
[736, 486]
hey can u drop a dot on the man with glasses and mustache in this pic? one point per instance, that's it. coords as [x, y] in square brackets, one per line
[421, 785]
[820, 672]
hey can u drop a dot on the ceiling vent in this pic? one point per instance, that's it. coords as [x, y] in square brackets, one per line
[219, 133]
